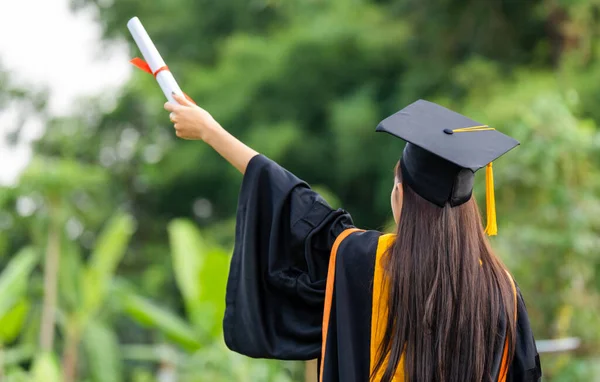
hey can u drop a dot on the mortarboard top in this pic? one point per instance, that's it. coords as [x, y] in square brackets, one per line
[444, 150]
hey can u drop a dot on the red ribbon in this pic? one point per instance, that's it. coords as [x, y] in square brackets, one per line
[143, 65]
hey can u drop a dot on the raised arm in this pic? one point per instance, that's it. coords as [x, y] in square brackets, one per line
[194, 123]
[284, 235]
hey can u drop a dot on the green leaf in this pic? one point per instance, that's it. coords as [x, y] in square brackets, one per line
[12, 322]
[143, 353]
[70, 277]
[110, 249]
[30, 334]
[187, 251]
[45, 368]
[16, 374]
[112, 244]
[213, 283]
[148, 314]
[103, 353]
[18, 354]
[14, 278]
[201, 274]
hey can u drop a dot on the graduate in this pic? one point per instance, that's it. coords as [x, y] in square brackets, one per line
[429, 303]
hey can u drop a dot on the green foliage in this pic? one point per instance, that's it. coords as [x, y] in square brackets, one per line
[46, 368]
[17, 375]
[13, 285]
[56, 177]
[201, 274]
[71, 277]
[107, 254]
[103, 353]
[12, 322]
[186, 249]
[218, 364]
[149, 314]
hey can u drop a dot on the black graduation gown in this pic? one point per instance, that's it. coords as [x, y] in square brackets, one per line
[287, 300]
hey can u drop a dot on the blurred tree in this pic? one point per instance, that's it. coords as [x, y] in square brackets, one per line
[194, 342]
[21, 108]
[54, 181]
[14, 302]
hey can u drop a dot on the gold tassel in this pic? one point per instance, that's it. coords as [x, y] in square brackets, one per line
[490, 203]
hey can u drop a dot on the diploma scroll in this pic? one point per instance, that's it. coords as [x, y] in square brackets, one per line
[154, 64]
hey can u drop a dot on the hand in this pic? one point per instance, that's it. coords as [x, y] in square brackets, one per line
[190, 121]
[193, 122]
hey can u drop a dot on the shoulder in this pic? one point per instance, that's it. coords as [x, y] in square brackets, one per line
[259, 161]
[357, 240]
[261, 166]
[356, 245]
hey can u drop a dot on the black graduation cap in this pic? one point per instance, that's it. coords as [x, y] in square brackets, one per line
[444, 150]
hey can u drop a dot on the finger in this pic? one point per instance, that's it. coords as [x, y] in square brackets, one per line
[171, 106]
[181, 100]
[172, 117]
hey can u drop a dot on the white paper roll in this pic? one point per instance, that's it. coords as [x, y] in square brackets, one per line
[165, 79]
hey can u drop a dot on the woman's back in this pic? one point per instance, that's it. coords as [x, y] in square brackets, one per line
[361, 276]
[315, 286]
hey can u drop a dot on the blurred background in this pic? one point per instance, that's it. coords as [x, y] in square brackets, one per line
[115, 236]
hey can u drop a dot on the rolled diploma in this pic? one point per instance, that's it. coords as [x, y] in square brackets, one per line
[165, 79]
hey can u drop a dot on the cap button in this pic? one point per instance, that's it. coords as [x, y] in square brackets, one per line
[448, 131]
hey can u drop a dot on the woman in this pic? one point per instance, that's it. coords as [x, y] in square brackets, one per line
[431, 303]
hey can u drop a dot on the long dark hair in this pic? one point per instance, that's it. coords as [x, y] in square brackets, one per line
[448, 293]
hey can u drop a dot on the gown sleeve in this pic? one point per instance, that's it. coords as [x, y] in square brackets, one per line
[277, 278]
[525, 366]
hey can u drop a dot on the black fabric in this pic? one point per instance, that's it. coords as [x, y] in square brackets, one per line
[525, 366]
[444, 185]
[499, 344]
[426, 125]
[277, 278]
[347, 356]
[463, 187]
